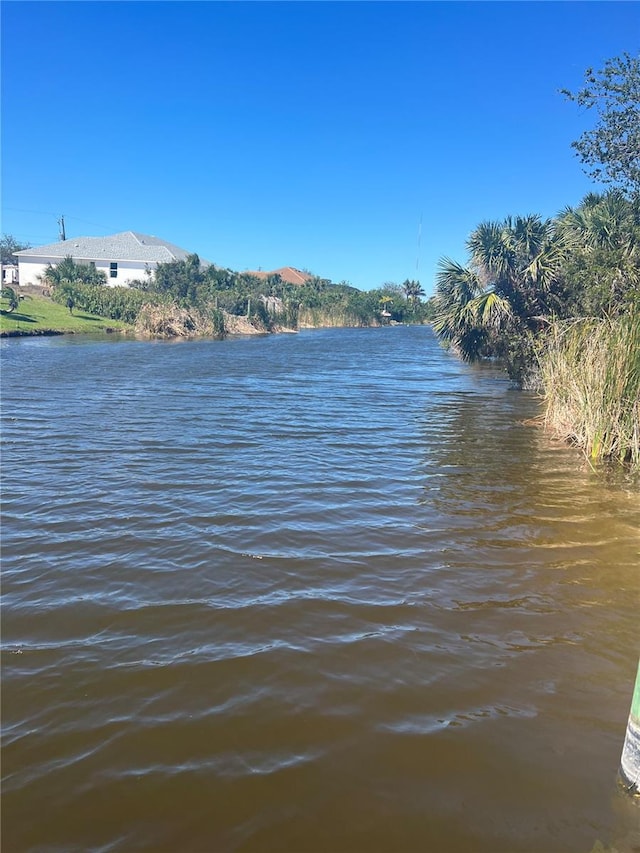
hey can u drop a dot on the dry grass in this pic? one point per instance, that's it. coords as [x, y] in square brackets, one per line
[168, 320]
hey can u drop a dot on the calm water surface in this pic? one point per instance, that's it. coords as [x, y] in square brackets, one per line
[324, 592]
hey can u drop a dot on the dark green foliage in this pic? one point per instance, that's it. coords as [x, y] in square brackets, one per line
[259, 315]
[525, 273]
[217, 319]
[494, 306]
[389, 303]
[180, 280]
[231, 302]
[413, 290]
[8, 247]
[602, 269]
[271, 302]
[611, 151]
[454, 318]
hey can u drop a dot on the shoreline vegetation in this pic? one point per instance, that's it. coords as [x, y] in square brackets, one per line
[557, 300]
[590, 376]
[185, 299]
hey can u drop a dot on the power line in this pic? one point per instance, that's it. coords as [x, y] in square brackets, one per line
[95, 224]
[32, 238]
[57, 216]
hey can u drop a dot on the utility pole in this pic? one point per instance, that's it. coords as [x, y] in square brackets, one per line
[630, 763]
[63, 236]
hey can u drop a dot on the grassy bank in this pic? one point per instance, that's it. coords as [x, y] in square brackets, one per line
[37, 315]
[591, 379]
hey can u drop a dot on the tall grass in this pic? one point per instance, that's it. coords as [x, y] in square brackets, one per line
[333, 316]
[590, 373]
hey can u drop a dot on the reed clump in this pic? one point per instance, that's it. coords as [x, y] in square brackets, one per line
[169, 320]
[590, 371]
[332, 317]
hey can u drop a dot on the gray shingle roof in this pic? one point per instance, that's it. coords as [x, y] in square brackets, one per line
[126, 246]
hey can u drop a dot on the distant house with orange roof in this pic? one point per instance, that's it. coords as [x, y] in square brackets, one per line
[289, 274]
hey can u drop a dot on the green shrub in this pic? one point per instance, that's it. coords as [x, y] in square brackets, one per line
[117, 303]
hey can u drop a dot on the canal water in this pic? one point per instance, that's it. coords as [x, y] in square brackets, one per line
[319, 592]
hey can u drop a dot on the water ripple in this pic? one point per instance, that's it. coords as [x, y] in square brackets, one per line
[315, 592]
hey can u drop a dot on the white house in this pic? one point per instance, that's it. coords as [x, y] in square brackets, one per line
[123, 256]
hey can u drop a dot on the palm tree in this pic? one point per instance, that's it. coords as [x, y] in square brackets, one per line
[519, 259]
[13, 300]
[495, 304]
[454, 322]
[413, 290]
[69, 270]
[608, 221]
[604, 234]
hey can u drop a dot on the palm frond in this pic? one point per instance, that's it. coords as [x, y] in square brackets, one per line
[491, 310]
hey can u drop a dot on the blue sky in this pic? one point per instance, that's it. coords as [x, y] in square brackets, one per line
[311, 134]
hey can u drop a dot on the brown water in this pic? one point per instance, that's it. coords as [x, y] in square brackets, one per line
[323, 592]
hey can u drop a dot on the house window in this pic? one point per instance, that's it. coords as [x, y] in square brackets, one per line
[113, 270]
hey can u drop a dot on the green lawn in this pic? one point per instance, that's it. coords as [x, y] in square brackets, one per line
[38, 315]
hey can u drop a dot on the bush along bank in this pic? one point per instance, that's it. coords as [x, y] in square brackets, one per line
[558, 301]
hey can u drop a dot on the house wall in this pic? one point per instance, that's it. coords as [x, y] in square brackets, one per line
[30, 269]
[127, 270]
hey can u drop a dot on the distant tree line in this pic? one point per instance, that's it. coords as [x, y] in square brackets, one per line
[205, 292]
